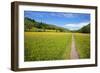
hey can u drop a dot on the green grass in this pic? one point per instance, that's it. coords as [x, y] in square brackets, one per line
[47, 46]
[83, 45]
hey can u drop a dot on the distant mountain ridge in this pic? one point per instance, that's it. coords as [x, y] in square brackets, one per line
[33, 25]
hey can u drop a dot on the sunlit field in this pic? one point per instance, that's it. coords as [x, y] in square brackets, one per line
[47, 46]
[56, 36]
[83, 45]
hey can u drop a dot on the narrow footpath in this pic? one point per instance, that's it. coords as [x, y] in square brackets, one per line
[74, 54]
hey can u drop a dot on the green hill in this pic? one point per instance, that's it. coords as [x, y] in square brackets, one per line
[32, 25]
[85, 29]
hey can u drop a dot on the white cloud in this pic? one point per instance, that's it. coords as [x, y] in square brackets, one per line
[76, 26]
[69, 15]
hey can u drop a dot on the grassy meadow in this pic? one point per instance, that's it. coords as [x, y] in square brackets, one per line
[48, 35]
[83, 45]
[47, 46]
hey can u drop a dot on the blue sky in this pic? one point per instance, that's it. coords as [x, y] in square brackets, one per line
[72, 21]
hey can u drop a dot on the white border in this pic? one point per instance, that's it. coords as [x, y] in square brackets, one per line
[23, 64]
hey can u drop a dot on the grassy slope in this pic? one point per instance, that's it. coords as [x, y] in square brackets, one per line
[83, 45]
[47, 46]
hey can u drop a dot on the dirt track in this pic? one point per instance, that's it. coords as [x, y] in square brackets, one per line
[74, 53]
